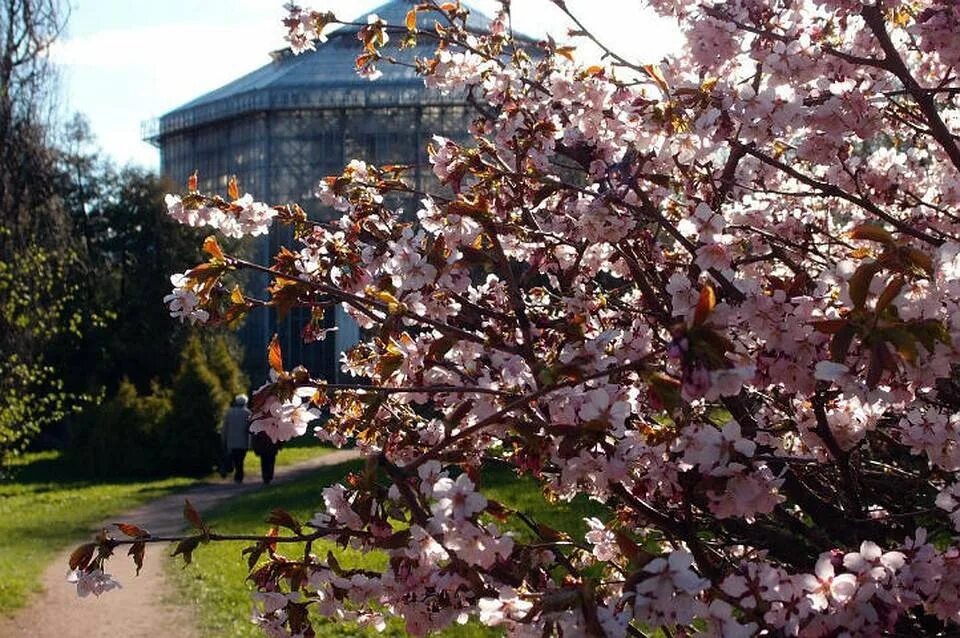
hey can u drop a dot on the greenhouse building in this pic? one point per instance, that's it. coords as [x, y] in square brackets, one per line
[283, 127]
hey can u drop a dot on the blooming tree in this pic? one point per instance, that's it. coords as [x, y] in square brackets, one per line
[719, 295]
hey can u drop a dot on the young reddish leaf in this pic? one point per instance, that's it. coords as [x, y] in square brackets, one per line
[637, 555]
[254, 552]
[298, 618]
[297, 577]
[887, 359]
[829, 326]
[840, 344]
[236, 296]
[477, 209]
[919, 260]
[664, 392]
[889, 293]
[905, 343]
[653, 71]
[396, 540]
[192, 182]
[593, 71]
[132, 530]
[233, 189]
[860, 283]
[333, 564]
[212, 248]
[81, 556]
[498, 510]
[872, 232]
[394, 306]
[193, 516]
[411, 20]
[186, 547]
[137, 550]
[566, 52]
[272, 545]
[551, 534]
[206, 272]
[880, 359]
[283, 518]
[274, 356]
[705, 305]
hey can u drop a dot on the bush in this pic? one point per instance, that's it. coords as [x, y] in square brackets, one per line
[171, 431]
[190, 443]
[121, 437]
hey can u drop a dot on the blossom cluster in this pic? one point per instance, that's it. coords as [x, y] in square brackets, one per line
[239, 218]
[719, 297]
[92, 582]
[183, 302]
[282, 419]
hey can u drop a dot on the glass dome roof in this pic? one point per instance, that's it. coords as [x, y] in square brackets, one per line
[322, 78]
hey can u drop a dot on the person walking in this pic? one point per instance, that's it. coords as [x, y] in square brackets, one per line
[266, 449]
[236, 434]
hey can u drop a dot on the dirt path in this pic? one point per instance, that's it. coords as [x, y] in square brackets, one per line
[145, 607]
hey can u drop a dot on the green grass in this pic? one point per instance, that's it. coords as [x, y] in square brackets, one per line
[522, 494]
[216, 579]
[45, 509]
[299, 449]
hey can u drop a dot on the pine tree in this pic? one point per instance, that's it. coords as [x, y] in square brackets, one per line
[222, 359]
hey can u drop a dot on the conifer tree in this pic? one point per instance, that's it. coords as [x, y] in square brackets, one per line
[191, 439]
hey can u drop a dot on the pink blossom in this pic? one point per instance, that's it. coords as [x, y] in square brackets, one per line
[826, 587]
[183, 301]
[283, 420]
[94, 582]
[508, 605]
[457, 499]
[604, 541]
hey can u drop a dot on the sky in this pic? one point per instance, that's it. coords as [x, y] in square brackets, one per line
[124, 62]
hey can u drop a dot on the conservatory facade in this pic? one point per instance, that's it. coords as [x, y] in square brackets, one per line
[283, 127]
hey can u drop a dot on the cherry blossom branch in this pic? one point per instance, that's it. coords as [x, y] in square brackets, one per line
[364, 303]
[607, 51]
[832, 190]
[426, 389]
[519, 403]
[320, 533]
[873, 16]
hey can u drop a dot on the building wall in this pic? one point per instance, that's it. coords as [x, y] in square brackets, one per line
[279, 156]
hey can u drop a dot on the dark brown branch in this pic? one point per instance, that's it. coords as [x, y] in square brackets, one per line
[893, 62]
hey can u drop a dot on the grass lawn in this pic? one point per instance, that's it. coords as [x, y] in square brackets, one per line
[299, 449]
[216, 579]
[44, 509]
[47, 507]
